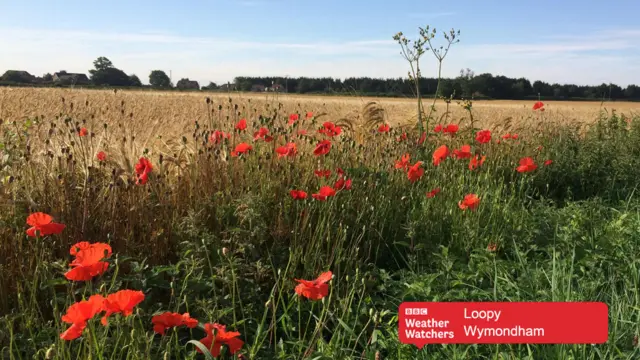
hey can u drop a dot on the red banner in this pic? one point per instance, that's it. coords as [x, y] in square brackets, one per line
[423, 323]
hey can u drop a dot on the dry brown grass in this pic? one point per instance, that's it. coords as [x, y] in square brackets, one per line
[148, 114]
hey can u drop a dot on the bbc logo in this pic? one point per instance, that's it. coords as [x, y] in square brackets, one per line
[416, 311]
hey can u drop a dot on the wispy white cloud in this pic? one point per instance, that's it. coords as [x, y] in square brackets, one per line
[599, 57]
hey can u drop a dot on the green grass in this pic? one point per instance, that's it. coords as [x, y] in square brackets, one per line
[220, 237]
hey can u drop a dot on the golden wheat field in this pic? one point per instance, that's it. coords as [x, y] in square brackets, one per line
[149, 114]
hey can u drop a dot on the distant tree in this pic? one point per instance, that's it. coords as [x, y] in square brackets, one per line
[134, 80]
[102, 63]
[159, 79]
[47, 77]
[211, 86]
[17, 77]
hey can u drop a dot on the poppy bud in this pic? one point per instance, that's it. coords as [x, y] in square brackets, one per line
[225, 251]
[51, 353]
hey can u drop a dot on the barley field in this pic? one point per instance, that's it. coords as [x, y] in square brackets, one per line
[164, 225]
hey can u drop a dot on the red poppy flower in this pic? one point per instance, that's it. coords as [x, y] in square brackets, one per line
[526, 165]
[122, 302]
[298, 194]
[293, 118]
[340, 172]
[492, 247]
[309, 114]
[213, 342]
[538, 105]
[241, 148]
[287, 150]
[415, 172]
[463, 153]
[324, 193]
[483, 136]
[217, 136]
[548, 162]
[423, 137]
[440, 154]
[322, 148]
[314, 289]
[302, 132]
[79, 313]
[451, 129]
[322, 173]
[476, 162]
[539, 148]
[83, 132]
[241, 125]
[330, 129]
[143, 168]
[433, 193]
[169, 320]
[342, 184]
[470, 201]
[88, 262]
[438, 128]
[402, 137]
[383, 128]
[101, 156]
[403, 163]
[42, 225]
[263, 134]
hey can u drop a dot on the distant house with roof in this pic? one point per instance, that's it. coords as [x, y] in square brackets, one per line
[65, 78]
[18, 76]
[188, 84]
[258, 88]
[277, 88]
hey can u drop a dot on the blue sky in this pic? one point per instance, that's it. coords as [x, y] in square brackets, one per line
[582, 42]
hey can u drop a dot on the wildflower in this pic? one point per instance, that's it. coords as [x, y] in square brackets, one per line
[476, 162]
[463, 153]
[101, 156]
[415, 172]
[122, 302]
[548, 162]
[293, 118]
[262, 133]
[83, 132]
[330, 129]
[402, 137]
[213, 342]
[79, 313]
[492, 247]
[324, 193]
[342, 184]
[433, 193]
[470, 201]
[508, 136]
[483, 136]
[217, 136]
[451, 129]
[440, 154]
[437, 128]
[322, 148]
[302, 132]
[241, 125]
[298, 194]
[423, 137]
[42, 225]
[314, 289]
[241, 148]
[340, 172]
[169, 320]
[322, 173]
[403, 163]
[538, 105]
[384, 128]
[309, 114]
[287, 150]
[88, 261]
[143, 168]
[526, 165]
[539, 148]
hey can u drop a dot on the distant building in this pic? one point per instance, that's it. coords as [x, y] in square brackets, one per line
[188, 84]
[65, 78]
[278, 88]
[258, 88]
[228, 87]
[18, 76]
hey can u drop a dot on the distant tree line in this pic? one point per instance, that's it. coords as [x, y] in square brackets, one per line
[466, 85]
